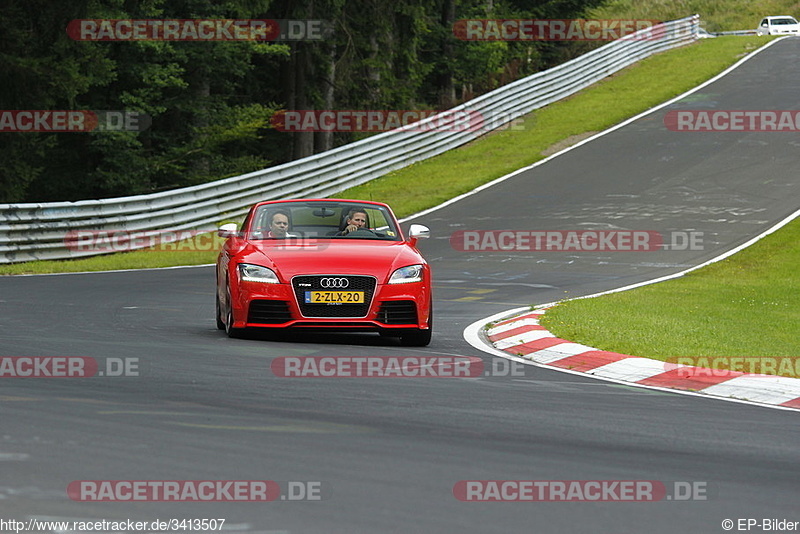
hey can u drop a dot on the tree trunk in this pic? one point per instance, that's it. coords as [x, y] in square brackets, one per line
[324, 140]
[200, 164]
[447, 91]
[303, 144]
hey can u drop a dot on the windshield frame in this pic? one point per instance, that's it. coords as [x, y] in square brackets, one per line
[321, 219]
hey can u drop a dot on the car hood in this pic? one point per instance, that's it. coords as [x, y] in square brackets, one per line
[376, 258]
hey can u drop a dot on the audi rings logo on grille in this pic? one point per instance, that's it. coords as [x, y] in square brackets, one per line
[334, 283]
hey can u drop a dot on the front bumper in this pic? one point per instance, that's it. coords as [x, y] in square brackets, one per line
[392, 307]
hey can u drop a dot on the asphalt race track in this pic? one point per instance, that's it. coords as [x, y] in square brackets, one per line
[388, 452]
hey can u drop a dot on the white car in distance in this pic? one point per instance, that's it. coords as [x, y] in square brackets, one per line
[782, 25]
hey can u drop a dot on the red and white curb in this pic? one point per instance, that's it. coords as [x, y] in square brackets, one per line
[522, 338]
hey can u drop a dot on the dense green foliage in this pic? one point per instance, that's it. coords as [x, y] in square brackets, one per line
[211, 102]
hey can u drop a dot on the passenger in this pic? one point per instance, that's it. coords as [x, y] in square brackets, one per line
[278, 225]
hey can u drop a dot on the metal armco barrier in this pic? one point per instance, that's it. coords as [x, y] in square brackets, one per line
[38, 231]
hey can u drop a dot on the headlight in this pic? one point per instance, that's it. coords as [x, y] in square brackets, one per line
[256, 273]
[405, 275]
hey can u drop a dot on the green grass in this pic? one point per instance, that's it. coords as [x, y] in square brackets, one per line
[139, 259]
[715, 15]
[746, 305]
[433, 181]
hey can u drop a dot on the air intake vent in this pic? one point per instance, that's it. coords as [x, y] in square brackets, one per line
[269, 312]
[398, 312]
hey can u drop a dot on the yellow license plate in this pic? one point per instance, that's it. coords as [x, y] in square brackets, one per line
[334, 297]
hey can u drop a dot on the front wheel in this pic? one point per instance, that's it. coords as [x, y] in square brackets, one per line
[418, 338]
[229, 329]
[220, 323]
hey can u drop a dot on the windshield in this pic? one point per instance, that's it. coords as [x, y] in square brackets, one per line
[780, 22]
[323, 220]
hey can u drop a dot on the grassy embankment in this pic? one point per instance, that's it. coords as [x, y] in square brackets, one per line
[716, 15]
[747, 305]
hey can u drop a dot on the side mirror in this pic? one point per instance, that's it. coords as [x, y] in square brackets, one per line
[227, 230]
[419, 232]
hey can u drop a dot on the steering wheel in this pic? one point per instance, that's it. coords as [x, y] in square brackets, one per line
[361, 232]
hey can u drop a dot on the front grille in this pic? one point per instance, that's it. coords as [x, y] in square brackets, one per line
[269, 312]
[398, 312]
[301, 284]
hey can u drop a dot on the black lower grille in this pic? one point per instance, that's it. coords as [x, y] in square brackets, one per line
[269, 312]
[398, 312]
[301, 284]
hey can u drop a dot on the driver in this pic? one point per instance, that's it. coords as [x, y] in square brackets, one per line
[356, 220]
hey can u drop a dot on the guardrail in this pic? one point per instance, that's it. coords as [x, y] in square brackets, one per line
[734, 32]
[38, 231]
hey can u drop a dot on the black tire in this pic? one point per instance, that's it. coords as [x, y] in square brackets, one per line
[229, 329]
[220, 324]
[418, 338]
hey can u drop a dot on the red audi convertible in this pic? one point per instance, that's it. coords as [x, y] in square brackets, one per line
[340, 265]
